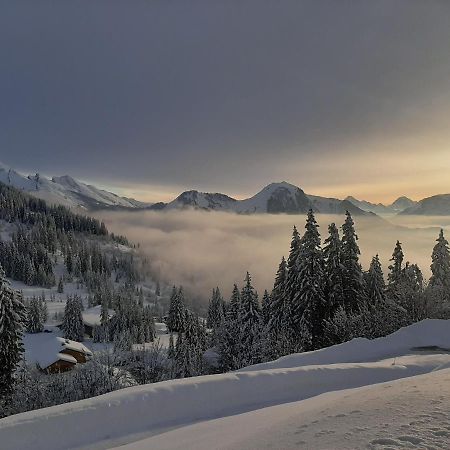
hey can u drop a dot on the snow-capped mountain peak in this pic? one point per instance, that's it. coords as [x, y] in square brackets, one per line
[280, 197]
[64, 190]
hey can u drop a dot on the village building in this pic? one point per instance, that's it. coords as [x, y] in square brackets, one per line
[54, 354]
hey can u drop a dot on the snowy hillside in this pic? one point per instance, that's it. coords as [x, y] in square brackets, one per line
[65, 191]
[324, 399]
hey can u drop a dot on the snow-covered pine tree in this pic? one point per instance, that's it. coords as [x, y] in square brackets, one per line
[334, 281]
[12, 321]
[229, 345]
[266, 308]
[292, 287]
[375, 284]
[309, 306]
[440, 263]
[278, 328]
[410, 294]
[354, 295]
[250, 325]
[234, 306]
[171, 348]
[215, 310]
[123, 342]
[396, 268]
[72, 325]
[190, 353]
[35, 318]
[175, 318]
[438, 291]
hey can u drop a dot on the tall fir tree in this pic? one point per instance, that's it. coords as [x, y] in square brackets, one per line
[216, 310]
[309, 305]
[250, 324]
[12, 321]
[232, 313]
[440, 263]
[292, 287]
[334, 279]
[175, 318]
[266, 308]
[396, 268]
[375, 283]
[229, 345]
[354, 295]
[279, 336]
[35, 315]
[72, 324]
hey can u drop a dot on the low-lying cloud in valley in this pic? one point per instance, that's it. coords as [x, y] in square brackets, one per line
[201, 250]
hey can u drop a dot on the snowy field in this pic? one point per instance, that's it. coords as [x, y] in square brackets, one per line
[386, 393]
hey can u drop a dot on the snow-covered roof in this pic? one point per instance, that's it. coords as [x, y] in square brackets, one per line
[91, 316]
[75, 346]
[44, 349]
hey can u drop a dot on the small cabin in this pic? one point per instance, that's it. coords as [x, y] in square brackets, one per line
[92, 318]
[53, 354]
[63, 363]
[76, 350]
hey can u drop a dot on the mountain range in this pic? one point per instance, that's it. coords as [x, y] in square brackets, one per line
[275, 198]
[66, 191]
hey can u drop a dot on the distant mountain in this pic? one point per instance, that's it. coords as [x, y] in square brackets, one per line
[399, 205]
[199, 200]
[66, 191]
[377, 208]
[275, 198]
[437, 205]
[402, 203]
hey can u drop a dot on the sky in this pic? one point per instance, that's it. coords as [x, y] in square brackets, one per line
[150, 98]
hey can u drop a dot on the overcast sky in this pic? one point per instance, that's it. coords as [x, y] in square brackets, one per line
[153, 97]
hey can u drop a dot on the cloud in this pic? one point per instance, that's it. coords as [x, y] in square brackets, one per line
[224, 95]
[201, 250]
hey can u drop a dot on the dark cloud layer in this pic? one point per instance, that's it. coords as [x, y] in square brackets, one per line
[215, 94]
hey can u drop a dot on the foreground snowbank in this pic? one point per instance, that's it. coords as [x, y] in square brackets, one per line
[428, 333]
[135, 413]
[408, 413]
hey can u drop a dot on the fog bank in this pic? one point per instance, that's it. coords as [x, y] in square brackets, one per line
[201, 250]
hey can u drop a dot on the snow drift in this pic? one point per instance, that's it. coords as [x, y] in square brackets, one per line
[136, 413]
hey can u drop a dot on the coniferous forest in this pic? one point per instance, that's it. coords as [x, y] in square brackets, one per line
[321, 296]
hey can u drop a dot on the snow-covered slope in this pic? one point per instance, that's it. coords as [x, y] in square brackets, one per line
[276, 198]
[173, 414]
[65, 191]
[437, 205]
[402, 414]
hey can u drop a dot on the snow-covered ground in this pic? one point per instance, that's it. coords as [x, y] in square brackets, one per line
[407, 413]
[310, 400]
